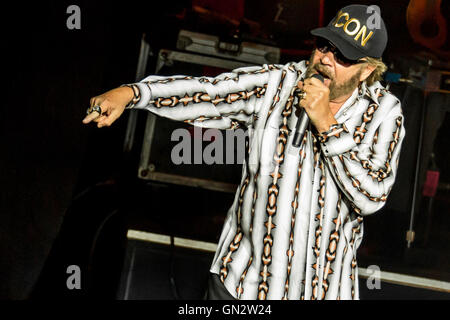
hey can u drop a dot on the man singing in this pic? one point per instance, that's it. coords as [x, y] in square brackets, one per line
[296, 222]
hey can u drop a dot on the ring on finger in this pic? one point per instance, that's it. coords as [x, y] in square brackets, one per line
[97, 109]
[302, 95]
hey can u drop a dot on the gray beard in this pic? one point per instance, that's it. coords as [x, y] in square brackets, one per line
[336, 90]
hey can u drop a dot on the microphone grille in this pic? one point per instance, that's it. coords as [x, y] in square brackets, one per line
[318, 76]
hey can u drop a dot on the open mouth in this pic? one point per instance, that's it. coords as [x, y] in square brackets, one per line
[326, 78]
[323, 74]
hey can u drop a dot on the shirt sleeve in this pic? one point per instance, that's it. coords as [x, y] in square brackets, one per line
[364, 162]
[223, 102]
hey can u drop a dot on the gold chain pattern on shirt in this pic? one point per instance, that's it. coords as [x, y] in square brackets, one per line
[273, 190]
[294, 205]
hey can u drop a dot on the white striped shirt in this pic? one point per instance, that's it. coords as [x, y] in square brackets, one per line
[295, 224]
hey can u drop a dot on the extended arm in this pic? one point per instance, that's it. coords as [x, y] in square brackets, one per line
[221, 102]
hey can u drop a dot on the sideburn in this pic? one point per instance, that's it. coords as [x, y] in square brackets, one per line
[339, 90]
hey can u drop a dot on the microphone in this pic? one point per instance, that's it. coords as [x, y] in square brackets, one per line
[303, 119]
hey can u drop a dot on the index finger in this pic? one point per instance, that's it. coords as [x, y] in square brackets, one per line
[91, 117]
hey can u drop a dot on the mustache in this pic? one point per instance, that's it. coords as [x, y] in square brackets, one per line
[323, 70]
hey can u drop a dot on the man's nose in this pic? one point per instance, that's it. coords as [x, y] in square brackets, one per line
[327, 58]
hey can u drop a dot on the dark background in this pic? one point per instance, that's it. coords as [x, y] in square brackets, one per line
[61, 180]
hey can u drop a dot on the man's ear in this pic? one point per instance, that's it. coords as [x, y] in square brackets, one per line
[367, 70]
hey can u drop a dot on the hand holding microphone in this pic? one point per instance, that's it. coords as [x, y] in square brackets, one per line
[303, 119]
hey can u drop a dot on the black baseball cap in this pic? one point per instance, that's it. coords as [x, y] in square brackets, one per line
[357, 31]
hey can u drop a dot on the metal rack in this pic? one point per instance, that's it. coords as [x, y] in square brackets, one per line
[205, 51]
